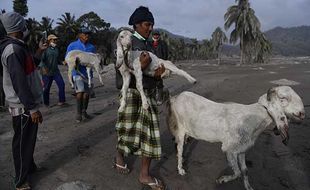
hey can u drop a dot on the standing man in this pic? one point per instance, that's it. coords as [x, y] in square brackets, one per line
[50, 71]
[79, 74]
[160, 49]
[23, 90]
[138, 129]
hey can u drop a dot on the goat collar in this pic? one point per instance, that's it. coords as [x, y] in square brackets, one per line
[137, 35]
[266, 109]
[126, 60]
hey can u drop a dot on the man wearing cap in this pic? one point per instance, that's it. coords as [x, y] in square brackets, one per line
[50, 71]
[137, 129]
[79, 74]
[23, 91]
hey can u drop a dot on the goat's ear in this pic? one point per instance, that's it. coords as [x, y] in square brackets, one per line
[284, 97]
[271, 93]
[275, 110]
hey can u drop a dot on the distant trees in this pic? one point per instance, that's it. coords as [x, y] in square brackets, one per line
[262, 48]
[253, 44]
[20, 6]
[46, 25]
[246, 30]
[35, 33]
[67, 25]
[2, 30]
[93, 22]
[218, 39]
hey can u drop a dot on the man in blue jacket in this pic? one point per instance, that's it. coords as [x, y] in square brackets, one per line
[23, 91]
[80, 75]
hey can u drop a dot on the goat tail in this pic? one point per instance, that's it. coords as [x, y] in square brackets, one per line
[170, 116]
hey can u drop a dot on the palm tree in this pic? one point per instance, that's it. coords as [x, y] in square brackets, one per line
[218, 38]
[34, 33]
[67, 24]
[247, 25]
[46, 24]
[67, 29]
[20, 6]
[263, 48]
[195, 47]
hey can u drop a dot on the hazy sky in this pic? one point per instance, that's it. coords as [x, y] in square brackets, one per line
[191, 18]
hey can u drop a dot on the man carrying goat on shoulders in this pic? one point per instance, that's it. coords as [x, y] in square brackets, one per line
[137, 128]
[79, 74]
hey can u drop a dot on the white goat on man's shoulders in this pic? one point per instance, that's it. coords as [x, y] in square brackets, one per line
[88, 59]
[127, 61]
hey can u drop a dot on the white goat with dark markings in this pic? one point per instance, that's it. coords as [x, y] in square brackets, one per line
[236, 126]
[88, 59]
[128, 62]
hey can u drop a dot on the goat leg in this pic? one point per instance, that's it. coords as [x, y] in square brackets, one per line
[126, 80]
[138, 74]
[70, 68]
[88, 69]
[233, 162]
[244, 170]
[180, 143]
[170, 66]
[96, 66]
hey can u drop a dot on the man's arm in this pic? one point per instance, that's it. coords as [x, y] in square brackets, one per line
[43, 65]
[41, 49]
[145, 60]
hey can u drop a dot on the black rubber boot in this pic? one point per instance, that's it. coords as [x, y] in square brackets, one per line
[85, 105]
[79, 104]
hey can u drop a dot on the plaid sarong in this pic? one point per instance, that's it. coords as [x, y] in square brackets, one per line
[137, 129]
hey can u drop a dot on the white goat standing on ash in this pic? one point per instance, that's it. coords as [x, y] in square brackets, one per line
[128, 62]
[90, 60]
[236, 126]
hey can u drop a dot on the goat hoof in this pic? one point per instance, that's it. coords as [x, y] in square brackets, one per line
[220, 180]
[182, 172]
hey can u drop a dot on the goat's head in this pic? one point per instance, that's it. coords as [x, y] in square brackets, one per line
[123, 43]
[124, 40]
[282, 104]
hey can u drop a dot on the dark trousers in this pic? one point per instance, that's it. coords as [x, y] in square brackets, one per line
[24, 140]
[47, 81]
[2, 95]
